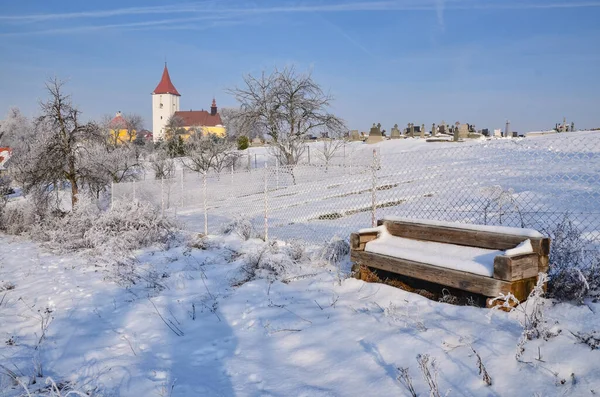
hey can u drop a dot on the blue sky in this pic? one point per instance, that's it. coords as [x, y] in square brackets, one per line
[420, 61]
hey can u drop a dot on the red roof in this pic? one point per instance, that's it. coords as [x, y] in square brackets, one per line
[199, 118]
[165, 86]
[118, 122]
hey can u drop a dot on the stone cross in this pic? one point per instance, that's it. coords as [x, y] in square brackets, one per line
[395, 134]
[375, 130]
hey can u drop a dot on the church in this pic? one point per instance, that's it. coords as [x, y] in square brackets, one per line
[165, 103]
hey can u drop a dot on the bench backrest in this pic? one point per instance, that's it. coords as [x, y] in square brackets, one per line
[460, 236]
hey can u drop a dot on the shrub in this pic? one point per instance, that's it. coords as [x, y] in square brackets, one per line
[240, 226]
[243, 142]
[129, 225]
[574, 270]
[336, 250]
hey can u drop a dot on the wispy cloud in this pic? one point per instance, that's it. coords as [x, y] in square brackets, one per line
[216, 7]
[215, 10]
[161, 24]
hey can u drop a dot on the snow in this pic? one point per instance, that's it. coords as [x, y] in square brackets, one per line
[521, 249]
[450, 256]
[312, 336]
[482, 228]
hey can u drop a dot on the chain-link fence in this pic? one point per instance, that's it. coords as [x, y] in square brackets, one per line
[532, 182]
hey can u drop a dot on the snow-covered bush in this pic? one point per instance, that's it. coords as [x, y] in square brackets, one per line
[20, 216]
[336, 250]
[574, 270]
[296, 250]
[240, 226]
[267, 262]
[130, 225]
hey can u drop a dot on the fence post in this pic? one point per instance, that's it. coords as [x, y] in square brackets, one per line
[249, 162]
[308, 147]
[182, 202]
[277, 172]
[205, 203]
[162, 196]
[112, 193]
[255, 161]
[344, 162]
[134, 190]
[374, 190]
[266, 204]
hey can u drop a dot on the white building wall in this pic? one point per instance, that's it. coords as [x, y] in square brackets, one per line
[161, 114]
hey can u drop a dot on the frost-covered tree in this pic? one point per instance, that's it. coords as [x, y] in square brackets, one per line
[234, 124]
[288, 107]
[14, 129]
[207, 151]
[57, 150]
[161, 163]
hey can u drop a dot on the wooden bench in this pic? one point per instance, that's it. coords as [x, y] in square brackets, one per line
[433, 252]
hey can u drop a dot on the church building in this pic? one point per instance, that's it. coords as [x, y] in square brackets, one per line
[165, 103]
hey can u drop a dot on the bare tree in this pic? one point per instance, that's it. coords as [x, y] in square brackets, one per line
[329, 148]
[234, 124]
[203, 152]
[161, 163]
[288, 107]
[174, 127]
[58, 150]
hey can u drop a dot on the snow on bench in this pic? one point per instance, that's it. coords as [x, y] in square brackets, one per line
[487, 260]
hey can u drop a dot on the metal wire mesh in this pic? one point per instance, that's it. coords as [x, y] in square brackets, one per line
[531, 182]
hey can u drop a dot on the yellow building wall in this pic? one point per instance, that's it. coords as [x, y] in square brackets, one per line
[122, 136]
[219, 131]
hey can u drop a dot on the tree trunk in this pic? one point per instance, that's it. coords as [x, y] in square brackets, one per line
[74, 191]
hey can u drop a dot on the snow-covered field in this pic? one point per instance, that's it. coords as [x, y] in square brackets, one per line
[189, 330]
[192, 326]
[529, 182]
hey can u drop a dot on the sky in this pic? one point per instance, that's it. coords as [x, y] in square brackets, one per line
[481, 62]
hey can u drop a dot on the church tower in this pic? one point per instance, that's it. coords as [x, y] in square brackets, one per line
[165, 102]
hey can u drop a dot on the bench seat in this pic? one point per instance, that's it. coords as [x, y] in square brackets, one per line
[451, 256]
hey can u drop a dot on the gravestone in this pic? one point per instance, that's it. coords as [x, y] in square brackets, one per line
[375, 134]
[433, 130]
[498, 132]
[422, 131]
[572, 126]
[463, 130]
[507, 131]
[355, 136]
[455, 133]
[411, 129]
[443, 128]
[395, 134]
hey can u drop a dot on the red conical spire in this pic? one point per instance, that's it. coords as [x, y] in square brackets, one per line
[165, 86]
